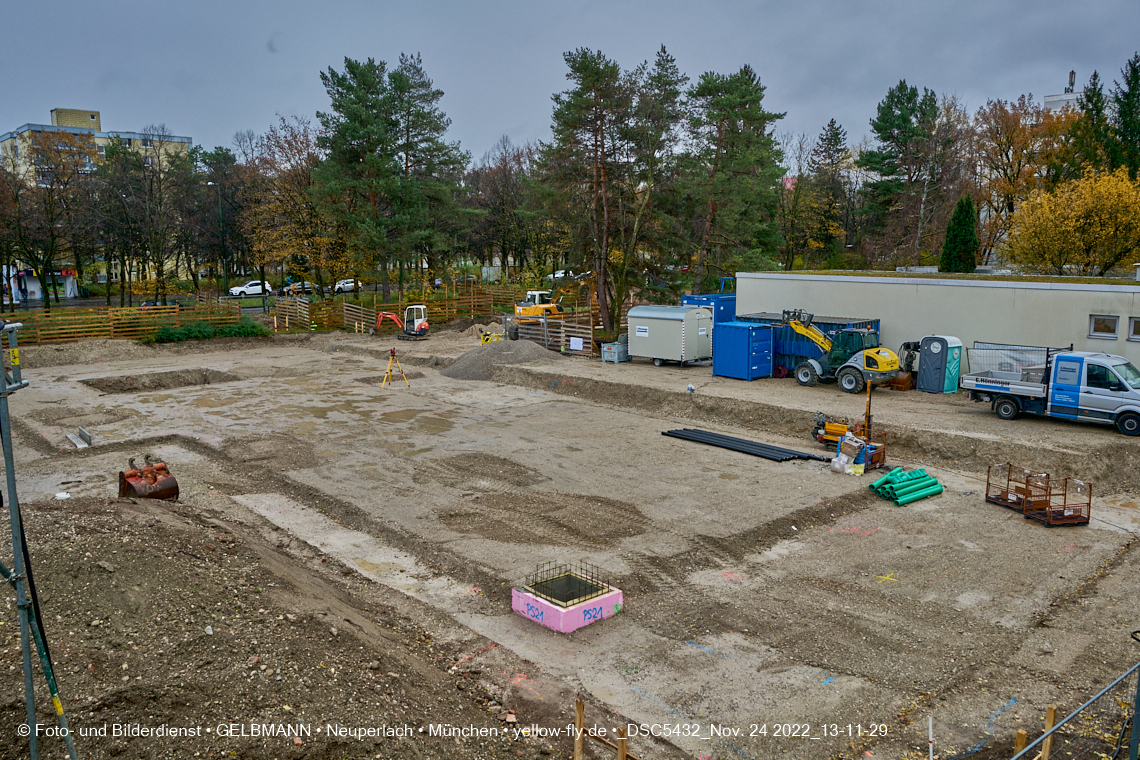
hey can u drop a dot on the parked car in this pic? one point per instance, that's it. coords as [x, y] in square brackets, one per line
[251, 288]
[347, 286]
[297, 288]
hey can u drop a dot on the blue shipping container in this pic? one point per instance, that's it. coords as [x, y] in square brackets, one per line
[791, 349]
[722, 305]
[742, 350]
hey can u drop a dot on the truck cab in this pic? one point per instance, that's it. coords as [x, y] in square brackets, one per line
[1096, 387]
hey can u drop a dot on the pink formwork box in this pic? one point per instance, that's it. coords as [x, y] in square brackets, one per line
[566, 619]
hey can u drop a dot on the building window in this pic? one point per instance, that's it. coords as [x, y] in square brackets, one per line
[92, 117]
[148, 161]
[1101, 326]
[127, 142]
[1134, 328]
[147, 143]
[102, 149]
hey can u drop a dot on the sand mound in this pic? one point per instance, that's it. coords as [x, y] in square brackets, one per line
[478, 363]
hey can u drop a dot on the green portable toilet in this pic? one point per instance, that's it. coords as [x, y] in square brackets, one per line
[939, 364]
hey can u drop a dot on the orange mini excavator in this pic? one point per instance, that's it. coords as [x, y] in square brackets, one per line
[414, 325]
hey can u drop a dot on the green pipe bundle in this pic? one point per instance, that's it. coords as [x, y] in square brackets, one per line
[933, 490]
[896, 477]
[894, 492]
[906, 487]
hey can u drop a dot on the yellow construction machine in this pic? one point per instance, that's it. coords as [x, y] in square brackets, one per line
[537, 304]
[853, 357]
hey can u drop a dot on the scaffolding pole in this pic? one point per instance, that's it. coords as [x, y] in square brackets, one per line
[31, 631]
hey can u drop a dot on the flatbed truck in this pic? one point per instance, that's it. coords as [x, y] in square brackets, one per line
[1074, 385]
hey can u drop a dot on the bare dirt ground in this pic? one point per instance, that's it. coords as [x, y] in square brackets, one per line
[758, 594]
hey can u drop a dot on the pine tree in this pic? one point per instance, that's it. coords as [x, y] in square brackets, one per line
[828, 164]
[1092, 139]
[734, 169]
[903, 123]
[960, 250]
[1126, 117]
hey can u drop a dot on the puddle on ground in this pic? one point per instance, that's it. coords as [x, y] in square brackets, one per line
[213, 402]
[429, 424]
[401, 415]
[378, 567]
[433, 425]
[729, 476]
[349, 408]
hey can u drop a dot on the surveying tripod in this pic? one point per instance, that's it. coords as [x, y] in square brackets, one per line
[20, 576]
[388, 376]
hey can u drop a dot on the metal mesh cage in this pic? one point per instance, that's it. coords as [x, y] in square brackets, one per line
[1016, 488]
[999, 357]
[566, 584]
[1069, 503]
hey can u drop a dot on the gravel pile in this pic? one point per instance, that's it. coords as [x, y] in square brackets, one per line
[479, 363]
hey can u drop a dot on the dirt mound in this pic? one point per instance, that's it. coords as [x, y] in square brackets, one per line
[264, 640]
[83, 352]
[479, 363]
[159, 381]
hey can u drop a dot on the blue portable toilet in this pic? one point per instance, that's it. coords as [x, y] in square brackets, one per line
[939, 364]
[742, 350]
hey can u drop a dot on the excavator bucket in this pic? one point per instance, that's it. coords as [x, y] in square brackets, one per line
[152, 481]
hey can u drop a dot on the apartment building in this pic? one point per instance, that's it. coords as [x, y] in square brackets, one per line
[15, 145]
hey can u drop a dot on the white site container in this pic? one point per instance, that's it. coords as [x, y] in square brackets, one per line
[670, 333]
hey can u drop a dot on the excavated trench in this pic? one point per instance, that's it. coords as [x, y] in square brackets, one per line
[159, 381]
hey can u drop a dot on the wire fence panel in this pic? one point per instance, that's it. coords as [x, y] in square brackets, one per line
[998, 357]
[1103, 727]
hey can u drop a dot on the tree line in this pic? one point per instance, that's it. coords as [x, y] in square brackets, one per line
[651, 182]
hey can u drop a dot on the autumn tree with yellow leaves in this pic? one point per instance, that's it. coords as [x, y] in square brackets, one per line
[1086, 226]
[1020, 147]
[282, 219]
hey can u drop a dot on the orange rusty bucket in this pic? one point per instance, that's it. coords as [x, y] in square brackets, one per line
[152, 481]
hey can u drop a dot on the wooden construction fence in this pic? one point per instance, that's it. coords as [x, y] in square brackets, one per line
[582, 318]
[68, 325]
[299, 313]
[581, 733]
[562, 336]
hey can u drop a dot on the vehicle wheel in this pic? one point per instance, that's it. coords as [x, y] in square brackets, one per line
[851, 380]
[1128, 423]
[805, 374]
[658, 362]
[1006, 408]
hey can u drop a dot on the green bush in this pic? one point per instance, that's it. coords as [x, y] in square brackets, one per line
[246, 328]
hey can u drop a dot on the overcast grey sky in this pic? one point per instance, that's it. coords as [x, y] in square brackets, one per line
[208, 69]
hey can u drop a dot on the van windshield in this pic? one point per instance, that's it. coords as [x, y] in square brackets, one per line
[1130, 374]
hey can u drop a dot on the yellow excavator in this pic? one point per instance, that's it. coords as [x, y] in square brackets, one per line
[537, 304]
[852, 358]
